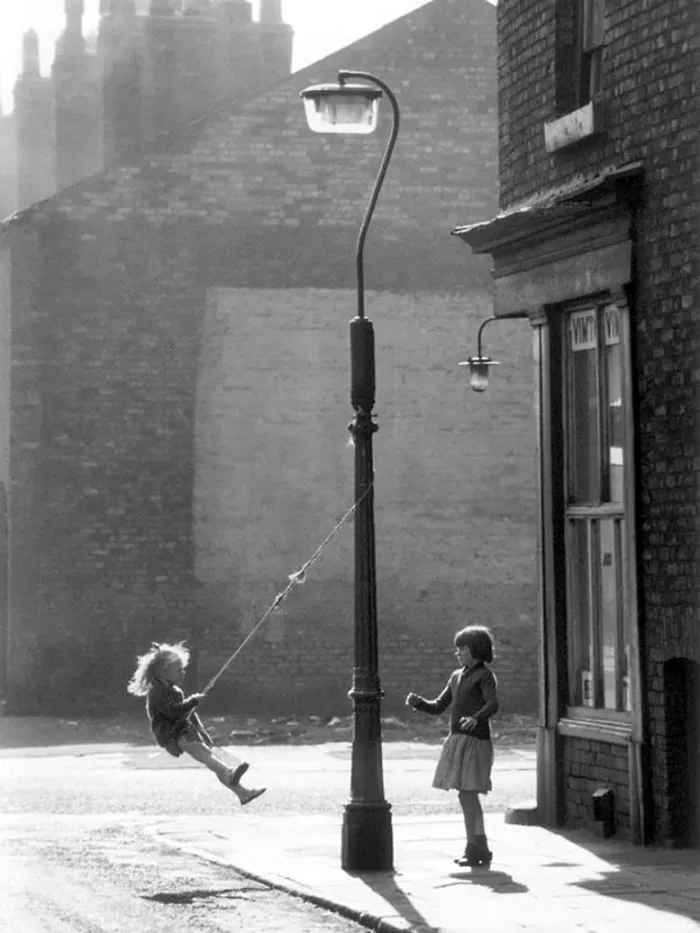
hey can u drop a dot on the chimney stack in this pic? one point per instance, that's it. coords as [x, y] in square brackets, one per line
[36, 177]
[275, 43]
[271, 12]
[120, 54]
[8, 163]
[78, 113]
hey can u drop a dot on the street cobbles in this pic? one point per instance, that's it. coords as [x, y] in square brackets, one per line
[92, 876]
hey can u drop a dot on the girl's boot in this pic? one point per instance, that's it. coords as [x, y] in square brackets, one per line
[481, 853]
[468, 857]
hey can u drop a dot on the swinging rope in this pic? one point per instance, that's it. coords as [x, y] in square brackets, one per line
[294, 579]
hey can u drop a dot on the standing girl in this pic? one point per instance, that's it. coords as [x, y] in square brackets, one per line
[175, 725]
[466, 758]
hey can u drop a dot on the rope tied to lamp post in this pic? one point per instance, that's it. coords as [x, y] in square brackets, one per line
[295, 579]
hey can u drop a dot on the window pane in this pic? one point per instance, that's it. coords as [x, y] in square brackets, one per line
[581, 683]
[626, 699]
[614, 412]
[592, 23]
[584, 441]
[610, 615]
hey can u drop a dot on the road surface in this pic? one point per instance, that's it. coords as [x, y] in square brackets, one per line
[79, 854]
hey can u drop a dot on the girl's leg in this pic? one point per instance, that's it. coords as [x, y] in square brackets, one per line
[478, 817]
[467, 799]
[204, 755]
[477, 851]
[481, 844]
[222, 769]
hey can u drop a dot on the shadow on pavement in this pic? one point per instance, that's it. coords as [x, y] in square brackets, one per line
[384, 884]
[657, 877]
[653, 893]
[500, 882]
[191, 897]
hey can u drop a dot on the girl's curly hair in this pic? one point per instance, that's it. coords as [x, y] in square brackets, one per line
[152, 663]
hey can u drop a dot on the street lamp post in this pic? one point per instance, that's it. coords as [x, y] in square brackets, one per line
[367, 839]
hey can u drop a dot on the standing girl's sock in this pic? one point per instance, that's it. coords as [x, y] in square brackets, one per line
[466, 802]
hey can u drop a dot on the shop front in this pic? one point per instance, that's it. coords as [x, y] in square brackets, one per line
[567, 261]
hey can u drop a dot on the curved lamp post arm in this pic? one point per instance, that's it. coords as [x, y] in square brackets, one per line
[478, 336]
[508, 316]
[344, 76]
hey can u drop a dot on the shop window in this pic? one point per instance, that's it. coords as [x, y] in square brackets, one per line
[597, 566]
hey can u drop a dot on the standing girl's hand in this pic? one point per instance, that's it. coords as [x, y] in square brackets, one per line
[467, 723]
[412, 699]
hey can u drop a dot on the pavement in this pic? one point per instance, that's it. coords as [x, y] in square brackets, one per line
[540, 880]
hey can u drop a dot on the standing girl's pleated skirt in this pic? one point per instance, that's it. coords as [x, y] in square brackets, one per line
[465, 763]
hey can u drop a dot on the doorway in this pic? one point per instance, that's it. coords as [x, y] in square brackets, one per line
[682, 696]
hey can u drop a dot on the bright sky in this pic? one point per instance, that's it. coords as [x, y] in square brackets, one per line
[320, 27]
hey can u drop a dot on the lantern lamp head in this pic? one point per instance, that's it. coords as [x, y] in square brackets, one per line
[479, 371]
[341, 108]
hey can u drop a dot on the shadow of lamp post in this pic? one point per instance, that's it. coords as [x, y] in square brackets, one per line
[367, 839]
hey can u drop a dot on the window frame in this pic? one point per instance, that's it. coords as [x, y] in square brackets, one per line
[589, 36]
[592, 513]
[580, 38]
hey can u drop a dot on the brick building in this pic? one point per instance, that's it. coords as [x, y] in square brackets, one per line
[175, 422]
[597, 243]
[153, 67]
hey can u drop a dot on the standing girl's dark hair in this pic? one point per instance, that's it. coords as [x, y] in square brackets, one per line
[478, 639]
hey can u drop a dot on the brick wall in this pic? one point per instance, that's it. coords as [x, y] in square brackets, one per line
[453, 491]
[590, 765]
[254, 206]
[649, 75]
[21, 312]
[150, 77]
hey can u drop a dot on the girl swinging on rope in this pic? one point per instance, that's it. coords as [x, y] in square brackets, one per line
[160, 674]
[176, 727]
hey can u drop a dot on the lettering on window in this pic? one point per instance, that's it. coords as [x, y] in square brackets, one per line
[583, 330]
[611, 319]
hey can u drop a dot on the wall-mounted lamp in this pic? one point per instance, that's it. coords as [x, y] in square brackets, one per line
[479, 364]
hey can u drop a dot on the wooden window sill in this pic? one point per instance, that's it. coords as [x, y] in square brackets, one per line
[597, 724]
[573, 127]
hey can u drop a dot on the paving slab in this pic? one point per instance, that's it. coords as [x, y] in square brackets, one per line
[540, 880]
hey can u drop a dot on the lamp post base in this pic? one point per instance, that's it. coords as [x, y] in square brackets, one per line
[367, 840]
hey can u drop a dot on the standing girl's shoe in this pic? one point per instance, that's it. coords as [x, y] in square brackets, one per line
[476, 853]
[175, 725]
[466, 759]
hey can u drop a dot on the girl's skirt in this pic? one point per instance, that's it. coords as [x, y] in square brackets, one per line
[465, 764]
[185, 729]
